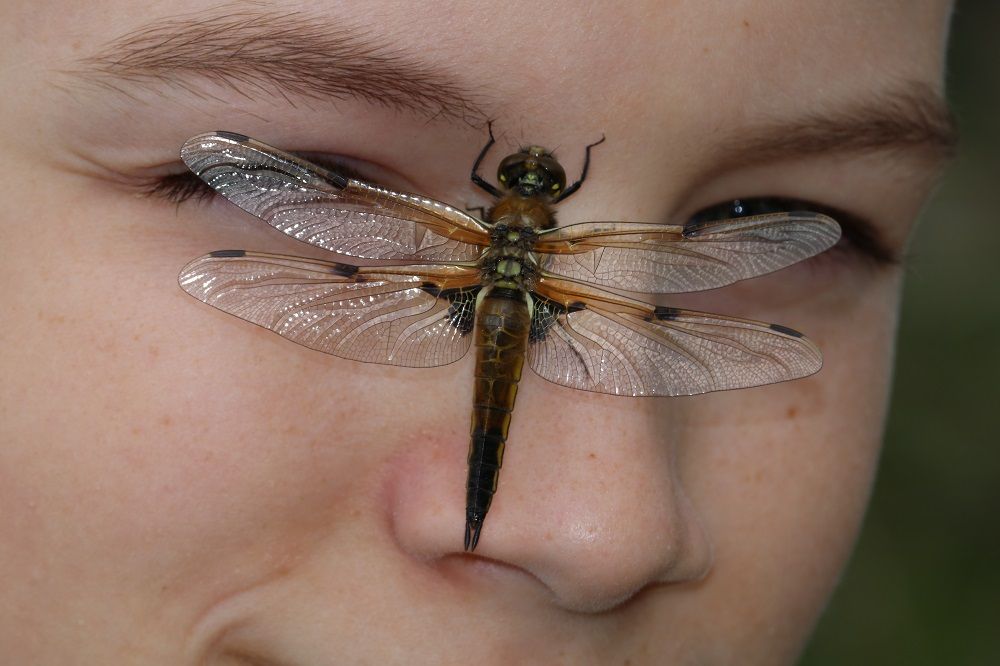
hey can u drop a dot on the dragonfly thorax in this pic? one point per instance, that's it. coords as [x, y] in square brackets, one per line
[509, 261]
[514, 212]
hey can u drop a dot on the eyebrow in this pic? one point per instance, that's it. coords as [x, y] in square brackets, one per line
[912, 117]
[294, 54]
[301, 56]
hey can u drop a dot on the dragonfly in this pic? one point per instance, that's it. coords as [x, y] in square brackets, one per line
[510, 282]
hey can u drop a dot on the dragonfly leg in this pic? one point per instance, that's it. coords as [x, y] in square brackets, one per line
[480, 209]
[583, 175]
[476, 178]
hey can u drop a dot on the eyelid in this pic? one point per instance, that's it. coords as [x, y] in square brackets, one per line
[864, 236]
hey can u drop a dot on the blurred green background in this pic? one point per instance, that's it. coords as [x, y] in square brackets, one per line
[924, 584]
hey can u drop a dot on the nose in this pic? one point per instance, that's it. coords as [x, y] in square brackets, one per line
[590, 502]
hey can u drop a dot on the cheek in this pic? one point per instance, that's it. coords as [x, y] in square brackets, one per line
[781, 475]
[158, 454]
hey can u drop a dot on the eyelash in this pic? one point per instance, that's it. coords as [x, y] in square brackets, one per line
[860, 237]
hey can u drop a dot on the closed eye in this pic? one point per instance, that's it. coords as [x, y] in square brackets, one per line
[860, 237]
[185, 186]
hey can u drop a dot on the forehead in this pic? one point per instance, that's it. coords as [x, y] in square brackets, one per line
[744, 45]
[632, 70]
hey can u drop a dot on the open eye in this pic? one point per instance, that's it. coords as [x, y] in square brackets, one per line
[861, 237]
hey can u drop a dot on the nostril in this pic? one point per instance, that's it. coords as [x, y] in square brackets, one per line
[478, 565]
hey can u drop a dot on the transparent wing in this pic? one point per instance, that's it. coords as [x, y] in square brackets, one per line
[662, 258]
[325, 209]
[416, 316]
[588, 339]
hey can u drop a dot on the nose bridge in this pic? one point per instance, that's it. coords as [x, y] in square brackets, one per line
[599, 512]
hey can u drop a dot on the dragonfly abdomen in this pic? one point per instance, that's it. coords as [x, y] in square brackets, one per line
[503, 324]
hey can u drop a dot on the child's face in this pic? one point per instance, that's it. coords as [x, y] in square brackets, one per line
[179, 487]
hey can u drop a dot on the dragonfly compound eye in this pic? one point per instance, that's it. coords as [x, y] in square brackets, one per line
[532, 172]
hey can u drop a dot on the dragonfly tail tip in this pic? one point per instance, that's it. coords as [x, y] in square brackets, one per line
[472, 530]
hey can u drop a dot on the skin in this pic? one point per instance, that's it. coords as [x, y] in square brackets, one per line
[180, 487]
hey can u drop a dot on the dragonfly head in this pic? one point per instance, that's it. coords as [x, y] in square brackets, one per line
[532, 172]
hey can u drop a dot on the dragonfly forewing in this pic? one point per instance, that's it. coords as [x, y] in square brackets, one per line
[323, 208]
[661, 259]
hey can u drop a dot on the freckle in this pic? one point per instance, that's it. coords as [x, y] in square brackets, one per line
[166, 421]
[154, 351]
[135, 337]
[746, 23]
[548, 536]
[136, 430]
[792, 412]
[592, 456]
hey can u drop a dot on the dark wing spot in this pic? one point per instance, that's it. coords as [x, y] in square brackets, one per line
[665, 313]
[431, 289]
[233, 136]
[228, 253]
[335, 179]
[787, 331]
[343, 270]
